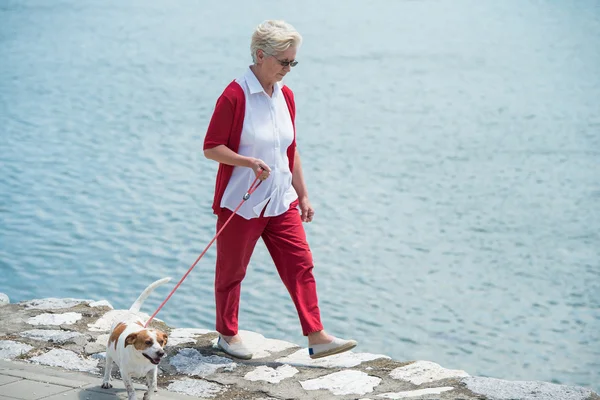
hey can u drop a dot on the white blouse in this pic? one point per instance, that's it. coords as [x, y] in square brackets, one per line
[267, 133]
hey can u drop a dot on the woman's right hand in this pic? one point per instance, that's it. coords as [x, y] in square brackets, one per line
[260, 168]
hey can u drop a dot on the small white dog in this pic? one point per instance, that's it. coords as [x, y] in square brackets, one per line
[135, 349]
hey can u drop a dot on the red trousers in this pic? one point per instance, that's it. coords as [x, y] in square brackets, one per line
[285, 239]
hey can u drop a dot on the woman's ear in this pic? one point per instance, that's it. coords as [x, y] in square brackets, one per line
[260, 56]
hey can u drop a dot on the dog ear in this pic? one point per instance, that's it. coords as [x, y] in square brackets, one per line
[130, 339]
[162, 337]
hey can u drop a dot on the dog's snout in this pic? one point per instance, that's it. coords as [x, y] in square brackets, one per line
[160, 353]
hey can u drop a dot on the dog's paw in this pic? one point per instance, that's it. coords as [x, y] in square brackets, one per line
[106, 385]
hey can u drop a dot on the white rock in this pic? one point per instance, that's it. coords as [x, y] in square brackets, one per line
[10, 349]
[191, 362]
[97, 346]
[421, 372]
[103, 339]
[4, 299]
[264, 373]
[50, 335]
[52, 303]
[260, 346]
[101, 303]
[193, 387]
[104, 323]
[343, 383]
[415, 393]
[185, 335]
[55, 319]
[348, 359]
[66, 359]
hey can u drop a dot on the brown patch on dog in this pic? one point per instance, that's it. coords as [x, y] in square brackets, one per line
[162, 338]
[140, 340]
[130, 339]
[114, 336]
[139, 323]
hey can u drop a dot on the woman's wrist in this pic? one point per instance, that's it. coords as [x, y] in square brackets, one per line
[247, 162]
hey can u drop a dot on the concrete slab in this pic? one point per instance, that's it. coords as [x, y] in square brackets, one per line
[87, 395]
[31, 390]
[4, 379]
[117, 388]
[47, 378]
[45, 374]
[497, 389]
[36, 382]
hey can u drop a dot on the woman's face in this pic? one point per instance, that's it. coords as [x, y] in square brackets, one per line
[271, 65]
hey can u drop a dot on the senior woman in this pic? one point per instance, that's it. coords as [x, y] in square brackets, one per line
[252, 134]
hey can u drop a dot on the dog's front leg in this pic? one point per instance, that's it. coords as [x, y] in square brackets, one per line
[152, 379]
[128, 385]
[107, 369]
[151, 382]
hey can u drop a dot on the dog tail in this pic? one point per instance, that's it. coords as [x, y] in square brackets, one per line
[135, 307]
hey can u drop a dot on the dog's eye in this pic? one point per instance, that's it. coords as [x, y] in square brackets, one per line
[149, 342]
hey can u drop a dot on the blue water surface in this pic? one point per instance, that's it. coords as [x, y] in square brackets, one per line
[451, 151]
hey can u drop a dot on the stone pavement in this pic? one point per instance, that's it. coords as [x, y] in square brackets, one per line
[55, 350]
[19, 380]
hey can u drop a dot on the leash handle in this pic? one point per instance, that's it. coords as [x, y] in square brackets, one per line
[251, 190]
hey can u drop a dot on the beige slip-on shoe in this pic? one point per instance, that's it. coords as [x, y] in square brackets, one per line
[336, 346]
[237, 350]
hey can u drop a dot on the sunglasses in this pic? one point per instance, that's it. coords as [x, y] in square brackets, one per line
[292, 63]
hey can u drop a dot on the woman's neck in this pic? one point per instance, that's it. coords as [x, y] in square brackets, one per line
[267, 86]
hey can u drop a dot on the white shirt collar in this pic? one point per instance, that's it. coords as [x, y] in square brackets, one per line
[254, 85]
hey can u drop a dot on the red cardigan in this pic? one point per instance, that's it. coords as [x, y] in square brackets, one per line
[225, 128]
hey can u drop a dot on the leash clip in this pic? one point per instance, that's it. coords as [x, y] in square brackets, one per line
[246, 196]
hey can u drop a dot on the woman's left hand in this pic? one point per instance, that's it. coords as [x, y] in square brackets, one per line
[306, 211]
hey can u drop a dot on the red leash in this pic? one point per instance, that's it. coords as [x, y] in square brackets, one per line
[246, 197]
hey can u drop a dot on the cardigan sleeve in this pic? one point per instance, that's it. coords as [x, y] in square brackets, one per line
[219, 128]
[291, 103]
[225, 128]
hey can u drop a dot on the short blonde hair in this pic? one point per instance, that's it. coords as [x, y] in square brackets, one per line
[273, 36]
